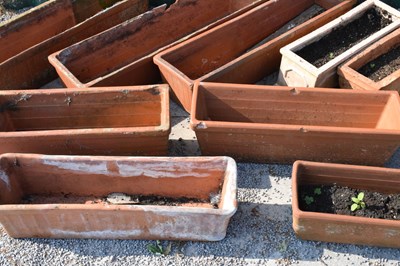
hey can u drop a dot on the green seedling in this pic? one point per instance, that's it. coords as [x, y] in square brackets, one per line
[331, 55]
[158, 249]
[358, 202]
[371, 65]
[308, 200]
[317, 191]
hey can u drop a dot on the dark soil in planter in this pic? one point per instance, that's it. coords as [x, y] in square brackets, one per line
[337, 200]
[124, 200]
[382, 66]
[343, 38]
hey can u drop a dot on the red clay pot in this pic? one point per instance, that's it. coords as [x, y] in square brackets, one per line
[350, 78]
[281, 124]
[31, 68]
[197, 57]
[129, 47]
[78, 215]
[264, 60]
[105, 121]
[344, 228]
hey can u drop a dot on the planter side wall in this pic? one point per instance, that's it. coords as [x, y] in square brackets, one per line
[341, 228]
[34, 26]
[157, 176]
[264, 60]
[185, 63]
[31, 68]
[349, 77]
[110, 121]
[145, 38]
[274, 130]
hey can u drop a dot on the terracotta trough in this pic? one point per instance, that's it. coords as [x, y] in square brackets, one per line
[253, 66]
[49, 197]
[105, 121]
[349, 77]
[283, 124]
[31, 69]
[345, 228]
[207, 54]
[124, 53]
[296, 71]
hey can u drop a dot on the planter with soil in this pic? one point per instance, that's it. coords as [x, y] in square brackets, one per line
[376, 68]
[105, 121]
[183, 65]
[312, 60]
[46, 196]
[128, 49]
[281, 124]
[31, 68]
[346, 203]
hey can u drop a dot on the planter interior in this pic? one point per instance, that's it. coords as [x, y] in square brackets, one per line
[185, 63]
[344, 228]
[70, 208]
[350, 76]
[31, 68]
[296, 71]
[254, 66]
[129, 47]
[280, 124]
[77, 121]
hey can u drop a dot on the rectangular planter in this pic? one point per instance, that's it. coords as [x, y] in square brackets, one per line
[282, 125]
[349, 77]
[345, 228]
[34, 26]
[264, 60]
[105, 121]
[31, 68]
[123, 54]
[296, 71]
[70, 208]
[200, 57]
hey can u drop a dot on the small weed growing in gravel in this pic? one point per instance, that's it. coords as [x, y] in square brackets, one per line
[358, 202]
[158, 249]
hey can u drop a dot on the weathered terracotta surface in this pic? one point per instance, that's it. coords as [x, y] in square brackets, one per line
[296, 71]
[34, 26]
[130, 46]
[344, 228]
[105, 121]
[349, 77]
[194, 177]
[264, 60]
[31, 68]
[196, 58]
[283, 124]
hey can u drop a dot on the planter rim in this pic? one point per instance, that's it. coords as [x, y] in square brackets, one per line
[346, 67]
[290, 49]
[267, 44]
[230, 176]
[205, 124]
[164, 125]
[298, 213]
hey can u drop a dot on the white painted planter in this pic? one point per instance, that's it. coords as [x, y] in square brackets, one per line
[295, 71]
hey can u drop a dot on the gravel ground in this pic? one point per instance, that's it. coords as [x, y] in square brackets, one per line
[259, 233]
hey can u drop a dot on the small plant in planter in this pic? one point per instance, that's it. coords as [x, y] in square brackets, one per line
[358, 202]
